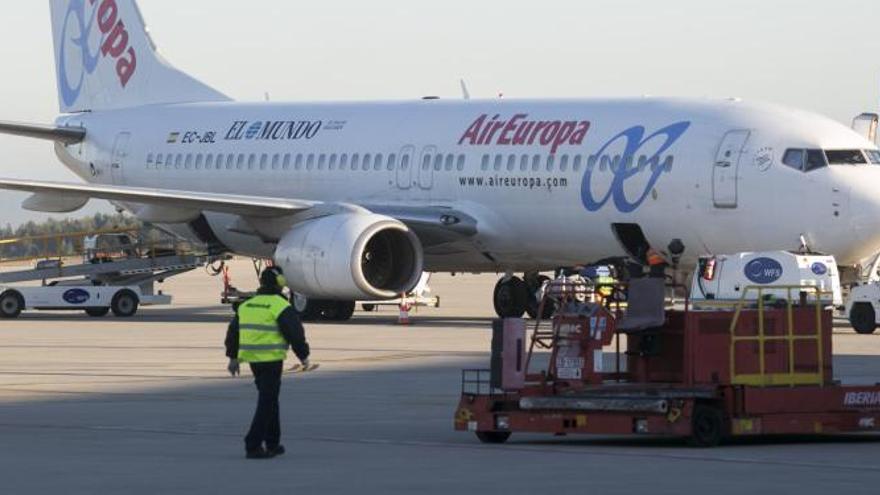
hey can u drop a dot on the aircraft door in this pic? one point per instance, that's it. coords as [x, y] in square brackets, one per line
[405, 167]
[426, 167]
[725, 173]
[120, 154]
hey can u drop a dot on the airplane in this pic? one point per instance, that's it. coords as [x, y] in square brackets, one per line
[355, 200]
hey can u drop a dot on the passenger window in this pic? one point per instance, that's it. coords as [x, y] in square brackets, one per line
[450, 162]
[230, 161]
[404, 162]
[149, 160]
[264, 161]
[209, 161]
[286, 164]
[484, 165]
[322, 160]
[332, 164]
[343, 162]
[592, 161]
[846, 157]
[159, 160]
[578, 163]
[815, 160]
[367, 162]
[511, 163]
[377, 162]
[563, 164]
[392, 161]
[299, 161]
[461, 163]
[536, 163]
[873, 155]
[498, 159]
[252, 161]
[276, 161]
[438, 162]
[551, 163]
[524, 163]
[667, 165]
[355, 162]
[189, 161]
[310, 163]
[604, 163]
[199, 160]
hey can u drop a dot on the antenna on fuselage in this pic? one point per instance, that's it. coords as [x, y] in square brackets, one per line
[465, 93]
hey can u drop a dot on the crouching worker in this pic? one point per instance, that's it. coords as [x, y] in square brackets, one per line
[260, 335]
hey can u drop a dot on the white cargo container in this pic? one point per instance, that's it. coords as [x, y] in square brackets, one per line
[726, 277]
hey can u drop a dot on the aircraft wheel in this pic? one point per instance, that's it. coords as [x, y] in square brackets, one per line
[863, 318]
[369, 308]
[337, 310]
[125, 304]
[511, 298]
[307, 308]
[11, 304]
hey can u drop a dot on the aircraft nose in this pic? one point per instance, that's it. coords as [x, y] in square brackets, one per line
[865, 212]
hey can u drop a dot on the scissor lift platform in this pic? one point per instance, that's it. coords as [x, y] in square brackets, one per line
[702, 375]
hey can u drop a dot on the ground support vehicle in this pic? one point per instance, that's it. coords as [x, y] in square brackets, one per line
[705, 375]
[118, 280]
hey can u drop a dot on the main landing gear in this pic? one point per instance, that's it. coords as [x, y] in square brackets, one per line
[516, 296]
[322, 310]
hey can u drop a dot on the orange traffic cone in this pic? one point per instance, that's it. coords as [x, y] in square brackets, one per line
[404, 312]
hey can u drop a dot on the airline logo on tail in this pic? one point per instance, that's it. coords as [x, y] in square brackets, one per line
[76, 40]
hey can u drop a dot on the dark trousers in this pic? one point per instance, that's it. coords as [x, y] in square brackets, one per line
[266, 426]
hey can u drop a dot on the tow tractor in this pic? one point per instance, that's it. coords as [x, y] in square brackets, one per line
[116, 274]
[758, 366]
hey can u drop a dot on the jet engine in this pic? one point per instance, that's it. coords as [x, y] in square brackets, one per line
[351, 256]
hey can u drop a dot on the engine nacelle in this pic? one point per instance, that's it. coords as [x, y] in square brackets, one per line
[351, 256]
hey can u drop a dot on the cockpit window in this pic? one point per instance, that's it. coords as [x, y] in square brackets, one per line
[846, 157]
[815, 160]
[874, 156]
[794, 159]
[804, 160]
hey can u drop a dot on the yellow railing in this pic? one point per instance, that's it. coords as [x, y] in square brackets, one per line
[792, 378]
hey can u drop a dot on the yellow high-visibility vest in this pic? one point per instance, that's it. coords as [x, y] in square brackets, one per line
[259, 338]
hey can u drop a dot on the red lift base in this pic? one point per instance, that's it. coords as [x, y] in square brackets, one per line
[702, 375]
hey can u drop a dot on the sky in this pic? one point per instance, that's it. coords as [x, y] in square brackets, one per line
[816, 55]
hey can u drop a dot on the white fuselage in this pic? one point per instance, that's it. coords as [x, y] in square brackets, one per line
[545, 180]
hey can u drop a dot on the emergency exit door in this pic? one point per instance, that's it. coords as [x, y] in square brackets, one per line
[725, 173]
[117, 161]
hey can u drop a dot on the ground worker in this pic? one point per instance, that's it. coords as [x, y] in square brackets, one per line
[260, 334]
[657, 263]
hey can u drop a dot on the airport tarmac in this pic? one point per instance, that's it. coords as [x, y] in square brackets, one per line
[145, 406]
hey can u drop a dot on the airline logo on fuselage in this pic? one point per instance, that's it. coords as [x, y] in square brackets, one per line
[519, 130]
[113, 44]
[633, 141]
[273, 130]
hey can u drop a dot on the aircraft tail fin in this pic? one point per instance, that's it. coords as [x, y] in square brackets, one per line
[105, 59]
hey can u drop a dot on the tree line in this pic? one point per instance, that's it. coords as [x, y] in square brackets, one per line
[57, 245]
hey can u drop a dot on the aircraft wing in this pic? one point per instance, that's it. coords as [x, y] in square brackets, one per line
[63, 197]
[434, 225]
